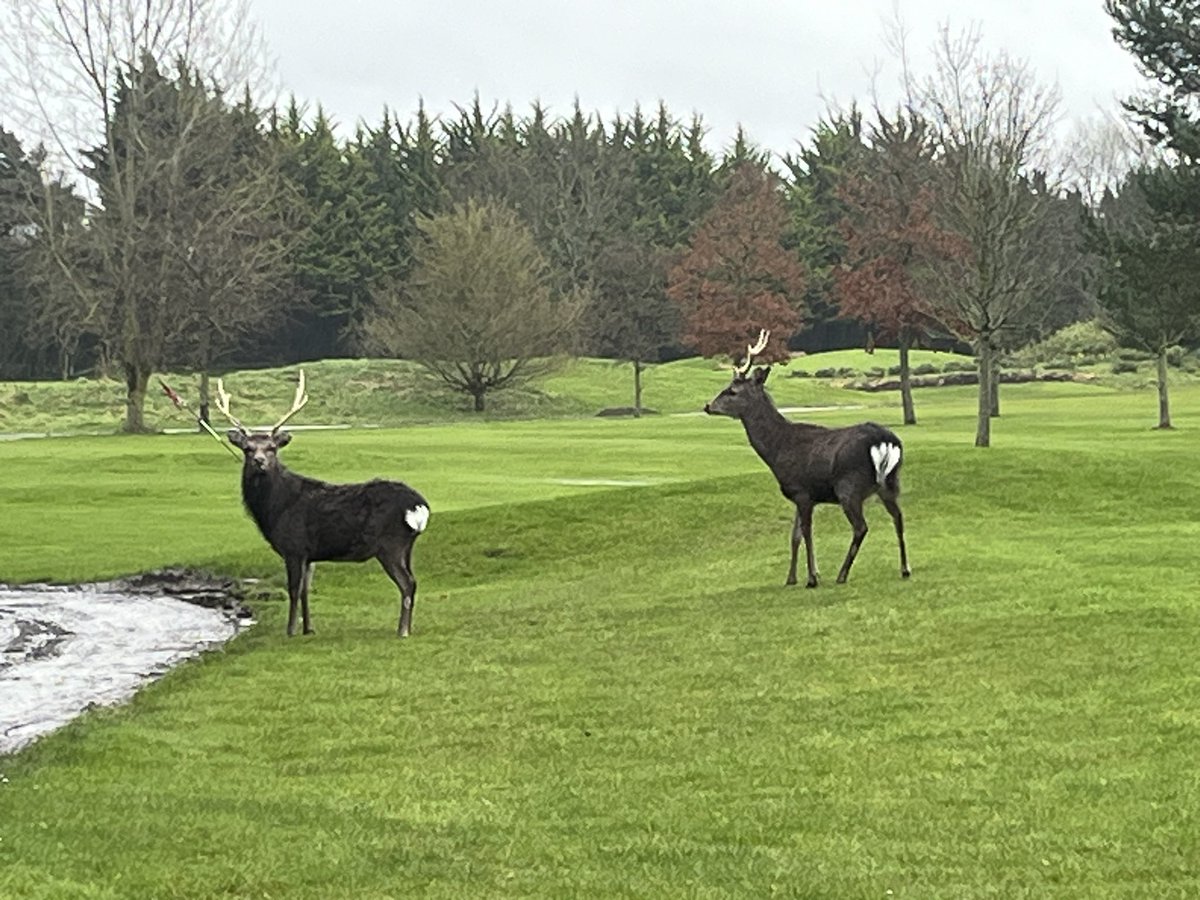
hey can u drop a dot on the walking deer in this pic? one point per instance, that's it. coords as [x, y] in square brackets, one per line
[307, 521]
[814, 464]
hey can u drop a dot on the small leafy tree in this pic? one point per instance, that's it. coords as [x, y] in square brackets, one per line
[1149, 285]
[630, 317]
[738, 277]
[890, 234]
[479, 311]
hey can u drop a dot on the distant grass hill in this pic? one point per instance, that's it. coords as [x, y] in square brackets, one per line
[389, 393]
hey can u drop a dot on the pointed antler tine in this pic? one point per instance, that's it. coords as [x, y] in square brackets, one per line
[301, 397]
[297, 403]
[752, 350]
[223, 400]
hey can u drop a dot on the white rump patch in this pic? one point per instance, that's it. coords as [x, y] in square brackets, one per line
[417, 518]
[886, 457]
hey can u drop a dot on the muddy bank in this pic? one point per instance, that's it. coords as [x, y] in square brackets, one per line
[66, 648]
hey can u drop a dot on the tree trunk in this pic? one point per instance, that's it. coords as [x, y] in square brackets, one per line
[1164, 404]
[203, 401]
[136, 380]
[994, 387]
[906, 397]
[637, 388]
[478, 395]
[983, 431]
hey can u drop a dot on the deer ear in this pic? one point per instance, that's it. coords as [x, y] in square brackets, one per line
[283, 439]
[761, 373]
[236, 438]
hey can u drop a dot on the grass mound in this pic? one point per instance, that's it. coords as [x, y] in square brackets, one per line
[611, 693]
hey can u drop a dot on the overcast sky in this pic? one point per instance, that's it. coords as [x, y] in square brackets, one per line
[769, 66]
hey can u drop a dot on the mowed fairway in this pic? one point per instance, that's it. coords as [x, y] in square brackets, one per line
[610, 692]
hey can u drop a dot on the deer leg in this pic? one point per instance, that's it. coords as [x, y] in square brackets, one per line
[295, 578]
[398, 564]
[852, 507]
[898, 519]
[305, 586]
[797, 539]
[804, 514]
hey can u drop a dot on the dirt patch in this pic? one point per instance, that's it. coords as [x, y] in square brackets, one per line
[191, 586]
[614, 412]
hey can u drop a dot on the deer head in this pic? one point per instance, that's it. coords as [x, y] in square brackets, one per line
[746, 387]
[259, 449]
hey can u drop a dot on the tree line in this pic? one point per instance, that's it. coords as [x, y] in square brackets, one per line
[201, 230]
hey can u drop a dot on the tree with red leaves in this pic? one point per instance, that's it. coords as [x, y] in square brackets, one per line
[737, 277]
[889, 233]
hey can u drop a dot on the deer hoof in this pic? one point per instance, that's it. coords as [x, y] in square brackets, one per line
[906, 573]
[811, 583]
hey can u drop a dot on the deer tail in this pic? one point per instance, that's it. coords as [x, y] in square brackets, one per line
[417, 517]
[886, 457]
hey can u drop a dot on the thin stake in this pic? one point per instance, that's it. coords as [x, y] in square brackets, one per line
[180, 403]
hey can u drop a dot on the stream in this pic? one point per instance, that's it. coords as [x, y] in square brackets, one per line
[65, 649]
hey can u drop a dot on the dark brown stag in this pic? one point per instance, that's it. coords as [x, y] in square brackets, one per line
[307, 521]
[814, 464]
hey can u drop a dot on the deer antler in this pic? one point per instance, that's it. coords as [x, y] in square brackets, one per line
[752, 350]
[297, 404]
[223, 399]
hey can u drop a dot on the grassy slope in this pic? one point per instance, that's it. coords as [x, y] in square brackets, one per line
[386, 392]
[611, 693]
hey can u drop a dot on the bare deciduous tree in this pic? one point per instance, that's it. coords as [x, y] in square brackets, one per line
[994, 124]
[150, 270]
[61, 59]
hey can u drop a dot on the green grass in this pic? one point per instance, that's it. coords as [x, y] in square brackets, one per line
[610, 692]
[383, 392]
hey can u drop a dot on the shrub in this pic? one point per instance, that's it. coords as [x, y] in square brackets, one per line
[956, 365]
[925, 369]
[875, 372]
[801, 373]
[1078, 339]
[1175, 356]
[1065, 364]
[893, 370]
[1120, 366]
[825, 373]
[1129, 354]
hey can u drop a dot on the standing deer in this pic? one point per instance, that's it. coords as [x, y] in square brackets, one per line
[814, 464]
[307, 521]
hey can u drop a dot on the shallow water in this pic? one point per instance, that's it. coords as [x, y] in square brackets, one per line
[65, 649]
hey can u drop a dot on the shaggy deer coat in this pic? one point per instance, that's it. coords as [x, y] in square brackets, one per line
[307, 521]
[814, 464]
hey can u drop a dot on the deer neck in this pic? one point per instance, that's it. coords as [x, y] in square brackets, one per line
[265, 493]
[766, 428]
